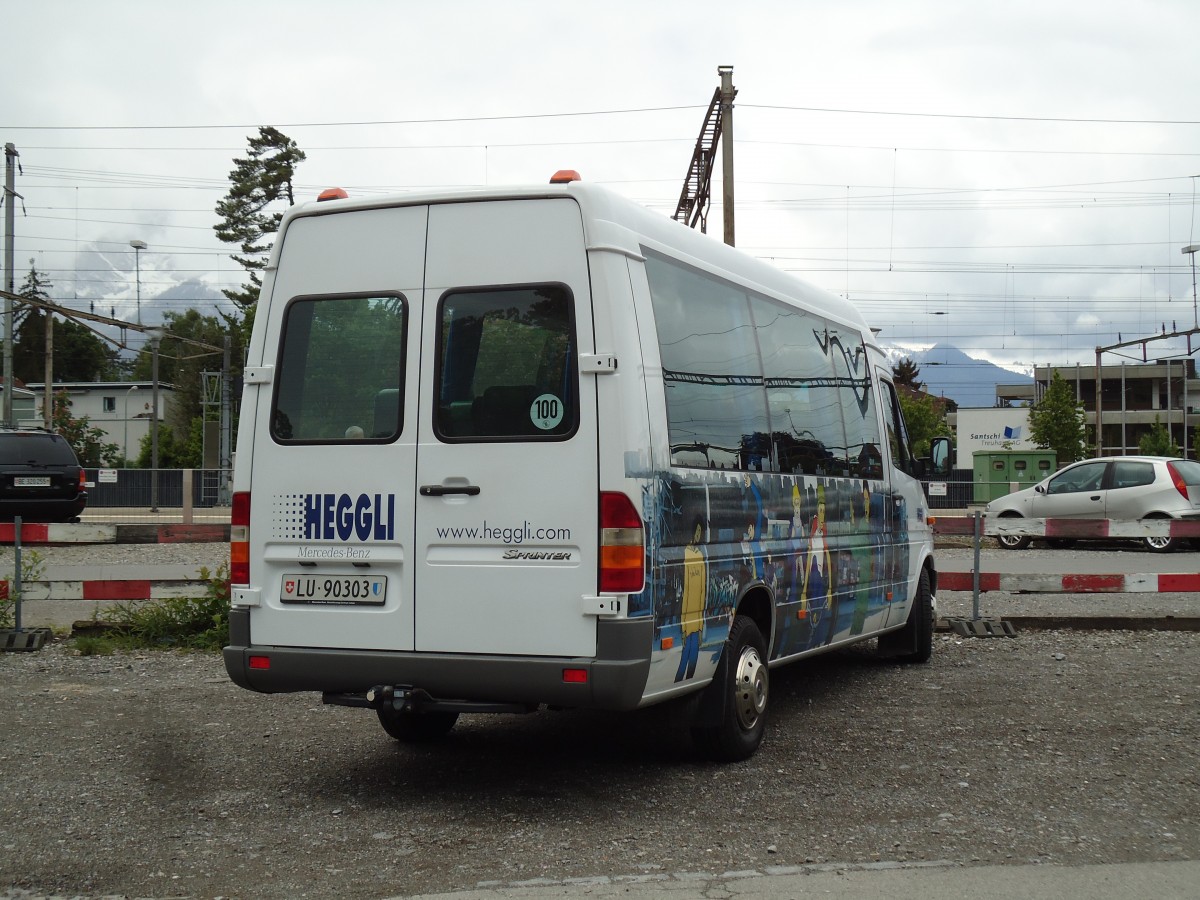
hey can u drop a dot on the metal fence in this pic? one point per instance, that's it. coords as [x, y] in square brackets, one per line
[955, 490]
[158, 495]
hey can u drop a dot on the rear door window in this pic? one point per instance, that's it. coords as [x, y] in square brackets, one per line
[340, 375]
[1132, 474]
[507, 366]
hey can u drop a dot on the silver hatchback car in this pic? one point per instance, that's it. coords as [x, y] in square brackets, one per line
[1114, 487]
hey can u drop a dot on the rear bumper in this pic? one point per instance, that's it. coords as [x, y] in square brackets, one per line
[616, 675]
[43, 509]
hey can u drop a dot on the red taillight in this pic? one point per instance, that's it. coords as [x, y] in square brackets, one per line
[239, 539]
[82, 480]
[260, 662]
[1180, 484]
[575, 676]
[622, 545]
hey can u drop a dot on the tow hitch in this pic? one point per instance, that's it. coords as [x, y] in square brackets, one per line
[404, 698]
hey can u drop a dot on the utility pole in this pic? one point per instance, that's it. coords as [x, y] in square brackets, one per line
[727, 95]
[692, 209]
[10, 193]
[48, 395]
[226, 431]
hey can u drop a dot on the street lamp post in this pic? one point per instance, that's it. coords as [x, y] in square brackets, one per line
[138, 247]
[155, 335]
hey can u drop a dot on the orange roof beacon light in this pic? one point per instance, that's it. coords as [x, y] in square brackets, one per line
[332, 194]
[564, 176]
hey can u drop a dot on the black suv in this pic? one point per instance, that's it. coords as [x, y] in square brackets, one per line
[40, 478]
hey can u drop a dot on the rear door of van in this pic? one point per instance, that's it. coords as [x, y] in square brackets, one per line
[507, 484]
[427, 450]
[334, 446]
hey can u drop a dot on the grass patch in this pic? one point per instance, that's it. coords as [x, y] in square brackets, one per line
[185, 623]
[94, 645]
[32, 567]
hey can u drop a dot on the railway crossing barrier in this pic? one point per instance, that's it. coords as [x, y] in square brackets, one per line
[977, 581]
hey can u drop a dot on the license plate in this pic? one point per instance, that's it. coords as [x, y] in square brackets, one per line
[369, 590]
[31, 481]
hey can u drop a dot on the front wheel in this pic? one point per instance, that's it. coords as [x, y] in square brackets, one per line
[1012, 541]
[744, 680]
[914, 642]
[416, 727]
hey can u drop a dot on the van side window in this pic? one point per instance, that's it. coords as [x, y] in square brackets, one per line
[853, 380]
[806, 415]
[507, 365]
[897, 433]
[340, 373]
[716, 406]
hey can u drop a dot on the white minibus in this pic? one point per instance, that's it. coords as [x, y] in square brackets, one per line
[516, 448]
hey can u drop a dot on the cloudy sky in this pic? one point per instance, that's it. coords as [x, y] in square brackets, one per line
[1016, 178]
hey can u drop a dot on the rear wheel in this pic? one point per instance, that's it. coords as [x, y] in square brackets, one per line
[1012, 541]
[416, 727]
[744, 680]
[1160, 544]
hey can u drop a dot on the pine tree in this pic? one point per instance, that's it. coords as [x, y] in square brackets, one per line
[78, 354]
[261, 179]
[35, 287]
[905, 372]
[1157, 441]
[1056, 422]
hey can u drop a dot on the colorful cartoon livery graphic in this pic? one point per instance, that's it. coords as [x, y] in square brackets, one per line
[833, 553]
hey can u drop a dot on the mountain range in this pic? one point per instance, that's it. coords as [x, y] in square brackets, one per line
[945, 371]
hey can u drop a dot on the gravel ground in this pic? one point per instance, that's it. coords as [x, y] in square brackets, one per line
[151, 775]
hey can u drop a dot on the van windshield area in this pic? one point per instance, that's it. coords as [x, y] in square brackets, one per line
[506, 368]
[340, 375]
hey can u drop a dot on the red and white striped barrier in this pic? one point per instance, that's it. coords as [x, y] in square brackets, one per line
[50, 533]
[1069, 528]
[1069, 584]
[108, 589]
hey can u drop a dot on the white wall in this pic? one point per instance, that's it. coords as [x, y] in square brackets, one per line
[991, 428]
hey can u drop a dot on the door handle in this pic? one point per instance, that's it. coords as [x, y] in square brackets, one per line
[441, 490]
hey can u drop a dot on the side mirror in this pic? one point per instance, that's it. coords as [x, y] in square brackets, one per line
[1040, 488]
[939, 456]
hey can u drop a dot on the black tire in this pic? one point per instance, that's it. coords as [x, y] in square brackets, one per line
[743, 678]
[416, 727]
[914, 642]
[1012, 541]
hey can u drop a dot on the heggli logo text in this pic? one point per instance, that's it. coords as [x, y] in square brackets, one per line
[340, 517]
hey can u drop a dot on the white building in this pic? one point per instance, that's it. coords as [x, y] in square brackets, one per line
[121, 409]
